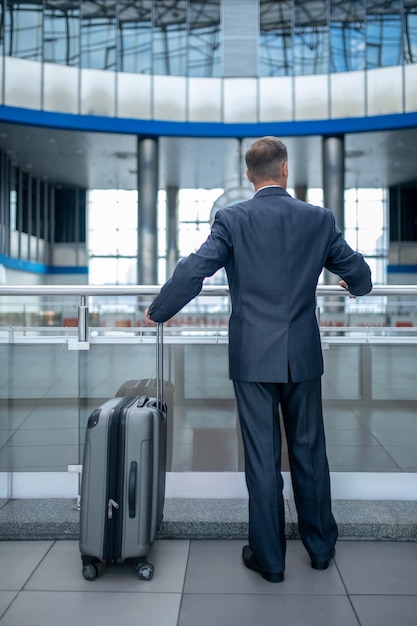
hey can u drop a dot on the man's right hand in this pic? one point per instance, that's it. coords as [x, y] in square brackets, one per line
[344, 284]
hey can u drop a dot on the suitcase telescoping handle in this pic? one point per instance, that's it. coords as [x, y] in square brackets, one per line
[160, 366]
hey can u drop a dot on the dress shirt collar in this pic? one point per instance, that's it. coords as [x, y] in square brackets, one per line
[267, 187]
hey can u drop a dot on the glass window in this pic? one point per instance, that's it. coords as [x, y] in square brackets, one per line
[170, 38]
[162, 225]
[366, 225]
[410, 31]
[275, 38]
[311, 37]
[61, 38]
[3, 20]
[204, 38]
[194, 209]
[98, 35]
[347, 35]
[135, 36]
[112, 236]
[383, 33]
[23, 30]
[112, 271]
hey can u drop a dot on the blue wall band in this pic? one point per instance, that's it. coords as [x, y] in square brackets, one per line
[157, 128]
[40, 268]
[402, 269]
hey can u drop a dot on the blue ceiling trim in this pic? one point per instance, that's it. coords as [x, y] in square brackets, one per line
[157, 128]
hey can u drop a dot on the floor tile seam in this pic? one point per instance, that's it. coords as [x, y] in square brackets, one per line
[347, 595]
[187, 562]
[352, 606]
[39, 563]
[184, 581]
[387, 452]
[274, 592]
[10, 605]
[115, 592]
[382, 594]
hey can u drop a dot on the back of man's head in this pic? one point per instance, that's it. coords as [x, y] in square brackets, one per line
[265, 159]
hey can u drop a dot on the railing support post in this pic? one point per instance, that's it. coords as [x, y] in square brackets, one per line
[83, 330]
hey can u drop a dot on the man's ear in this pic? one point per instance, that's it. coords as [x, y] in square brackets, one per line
[248, 176]
[285, 169]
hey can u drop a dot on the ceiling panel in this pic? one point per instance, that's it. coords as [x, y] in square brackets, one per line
[107, 161]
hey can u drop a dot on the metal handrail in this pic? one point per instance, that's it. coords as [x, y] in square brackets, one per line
[153, 290]
[84, 291]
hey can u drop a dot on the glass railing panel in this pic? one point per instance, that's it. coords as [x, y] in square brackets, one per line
[40, 408]
[51, 382]
[394, 374]
[342, 372]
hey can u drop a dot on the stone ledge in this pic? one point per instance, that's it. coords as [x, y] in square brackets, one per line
[55, 519]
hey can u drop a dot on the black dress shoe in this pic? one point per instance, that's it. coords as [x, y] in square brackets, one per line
[251, 562]
[320, 565]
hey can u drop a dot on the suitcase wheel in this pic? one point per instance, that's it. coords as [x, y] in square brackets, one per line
[145, 571]
[91, 571]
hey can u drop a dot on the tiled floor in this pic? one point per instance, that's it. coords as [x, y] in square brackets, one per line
[204, 583]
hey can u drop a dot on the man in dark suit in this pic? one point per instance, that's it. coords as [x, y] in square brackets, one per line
[274, 248]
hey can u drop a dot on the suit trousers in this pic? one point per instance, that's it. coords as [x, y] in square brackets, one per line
[301, 408]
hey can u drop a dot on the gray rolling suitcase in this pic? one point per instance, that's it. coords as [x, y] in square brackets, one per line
[123, 480]
[147, 387]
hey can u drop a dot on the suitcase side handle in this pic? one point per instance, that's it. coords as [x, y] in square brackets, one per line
[132, 489]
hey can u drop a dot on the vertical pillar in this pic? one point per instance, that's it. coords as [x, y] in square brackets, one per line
[333, 151]
[300, 192]
[147, 211]
[172, 229]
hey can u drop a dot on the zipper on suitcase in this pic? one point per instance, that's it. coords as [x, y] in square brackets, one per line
[115, 479]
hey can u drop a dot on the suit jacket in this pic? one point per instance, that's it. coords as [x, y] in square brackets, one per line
[273, 248]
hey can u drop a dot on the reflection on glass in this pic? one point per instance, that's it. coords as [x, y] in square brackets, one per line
[347, 36]
[311, 38]
[135, 37]
[170, 38]
[204, 39]
[410, 31]
[296, 37]
[61, 36]
[23, 30]
[98, 35]
[275, 38]
[383, 33]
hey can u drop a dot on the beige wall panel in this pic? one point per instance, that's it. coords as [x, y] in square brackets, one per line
[170, 98]
[311, 97]
[22, 83]
[240, 100]
[98, 89]
[385, 95]
[347, 94]
[61, 85]
[71, 254]
[276, 99]
[134, 96]
[204, 100]
[411, 88]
